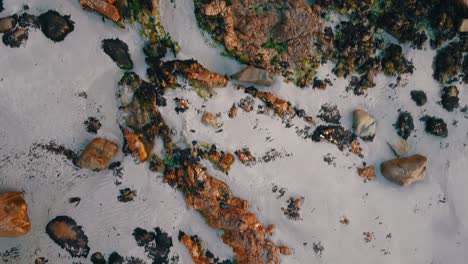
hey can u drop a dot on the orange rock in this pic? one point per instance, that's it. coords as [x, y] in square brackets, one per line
[103, 7]
[210, 119]
[14, 220]
[233, 111]
[98, 154]
[368, 173]
[135, 144]
[284, 250]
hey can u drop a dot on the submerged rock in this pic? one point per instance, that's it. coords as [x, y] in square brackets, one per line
[450, 99]
[27, 20]
[55, 26]
[435, 126]
[16, 37]
[404, 125]
[8, 23]
[254, 75]
[419, 97]
[98, 154]
[400, 148]
[364, 125]
[118, 51]
[14, 219]
[404, 171]
[65, 232]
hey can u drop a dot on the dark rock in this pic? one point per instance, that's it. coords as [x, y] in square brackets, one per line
[92, 125]
[16, 37]
[448, 62]
[394, 62]
[156, 244]
[330, 114]
[334, 134]
[28, 20]
[404, 171]
[419, 97]
[55, 26]
[8, 23]
[65, 232]
[98, 258]
[1, 6]
[155, 51]
[126, 195]
[435, 126]
[115, 258]
[450, 99]
[404, 125]
[118, 51]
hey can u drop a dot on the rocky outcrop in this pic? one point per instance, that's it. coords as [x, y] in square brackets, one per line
[404, 171]
[270, 34]
[14, 219]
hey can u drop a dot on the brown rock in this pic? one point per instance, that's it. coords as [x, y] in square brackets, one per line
[7, 23]
[14, 220]
[285, 250]
[64, 231]
[103, 7]
[233, 111]
[98, 154]
[404, 171]
[368, 173]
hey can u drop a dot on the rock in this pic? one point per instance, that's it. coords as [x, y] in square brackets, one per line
[464, 26]
[254, 75]
[55, 26]
[135, 144]
[284, 250]
[435, 126]
[118, 51]
[404, 171]
[330, 114]
[364, 125]
[8, 23]
[27, 20]
[126, 195]
[1, 6]
[98, 258]
[400, 148]
[368, 173]
[419, 97]
[14, 219]
[102, 7]
[16, 37]
[450, 99]
[98, 154]
[233, 111]
[92, 125]
[210, 119]
[404, 125]
[65, 232]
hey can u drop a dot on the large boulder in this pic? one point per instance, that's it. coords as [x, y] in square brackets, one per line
[14, 220]
[98, 154]
[404, 171]
[364, 125]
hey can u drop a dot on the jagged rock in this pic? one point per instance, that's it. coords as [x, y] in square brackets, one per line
[450, 99]
[98, 154]
[64, 231]
[16, 37]
[404, 171]
[419, 97]
[55, 26]
[103, 7]
[404, 125]
[364, 125]
[400, 148]
[14, 219]
[435, 126]
[8, 23]
[254, 75]
[118, 51]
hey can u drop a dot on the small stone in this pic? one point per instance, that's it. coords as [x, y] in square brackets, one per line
[98, 154]
[400, 148]
[28, 20]
[118, 51]
[254, 75]
[364, 125]
[55, 26]
[404, 171]
[435, 126]
[92, 125]
[450, 99]
[98, 258]
[233, 111]
[8, 23]
[64, 231]
[284, 250]
[419, 97]
[368, 173]
[16, 37]
[14, 219]
[404, 125]
[210, 120]
[126, 195]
